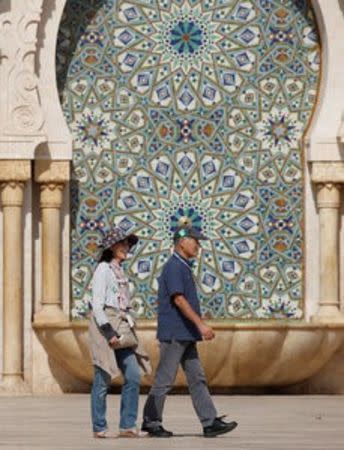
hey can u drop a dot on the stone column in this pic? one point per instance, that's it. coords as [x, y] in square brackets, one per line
[328, 178]
[328, 201]
[13, 175]
[52, 176]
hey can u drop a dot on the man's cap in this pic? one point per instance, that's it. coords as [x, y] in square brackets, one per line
[192, 232]
[117, 234]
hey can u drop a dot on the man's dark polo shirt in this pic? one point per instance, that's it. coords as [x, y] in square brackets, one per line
[176, 278]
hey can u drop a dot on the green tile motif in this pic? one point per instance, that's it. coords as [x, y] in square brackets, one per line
[192, 112]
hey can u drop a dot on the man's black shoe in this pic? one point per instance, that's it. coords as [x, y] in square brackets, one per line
[156, 431]
[218, 427]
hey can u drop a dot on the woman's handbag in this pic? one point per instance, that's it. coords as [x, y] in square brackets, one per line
[124, 326]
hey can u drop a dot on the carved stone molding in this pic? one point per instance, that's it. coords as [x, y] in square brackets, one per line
[328, 172]
[21, 115]
[52, 171]
[12, 170]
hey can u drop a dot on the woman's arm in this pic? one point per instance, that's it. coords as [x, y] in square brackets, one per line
[99, 286]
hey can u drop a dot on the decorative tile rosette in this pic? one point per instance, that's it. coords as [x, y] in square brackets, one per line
[192, 112]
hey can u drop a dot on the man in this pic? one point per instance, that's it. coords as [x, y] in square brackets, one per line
[180, 326]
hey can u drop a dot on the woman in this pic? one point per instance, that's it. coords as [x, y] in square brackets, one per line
[110, 303]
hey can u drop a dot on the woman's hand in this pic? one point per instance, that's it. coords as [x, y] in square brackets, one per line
[114, 341]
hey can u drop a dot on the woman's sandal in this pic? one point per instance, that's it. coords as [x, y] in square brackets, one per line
[130, 433]
[100, 434]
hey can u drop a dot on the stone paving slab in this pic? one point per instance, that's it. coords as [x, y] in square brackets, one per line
[265, 423]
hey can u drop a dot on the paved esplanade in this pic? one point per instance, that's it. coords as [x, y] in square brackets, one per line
[265, 423]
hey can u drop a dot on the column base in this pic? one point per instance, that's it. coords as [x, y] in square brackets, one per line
[14, 385]
[50, 314]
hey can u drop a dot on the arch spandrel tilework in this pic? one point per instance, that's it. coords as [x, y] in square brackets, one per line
[192, 112]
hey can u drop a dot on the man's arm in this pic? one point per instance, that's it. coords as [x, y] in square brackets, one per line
[185, 308]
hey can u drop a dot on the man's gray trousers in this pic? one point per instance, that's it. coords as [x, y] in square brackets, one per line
[173, 353]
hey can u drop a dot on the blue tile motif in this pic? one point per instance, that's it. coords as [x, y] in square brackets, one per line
[192, 112]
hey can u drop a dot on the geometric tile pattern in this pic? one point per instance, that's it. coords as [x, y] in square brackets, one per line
[192, 112]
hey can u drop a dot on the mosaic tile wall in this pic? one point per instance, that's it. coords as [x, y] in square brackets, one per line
[192, 112]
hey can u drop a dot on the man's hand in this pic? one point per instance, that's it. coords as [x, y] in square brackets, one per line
[184, 306]
[114, 341]
[206, 331]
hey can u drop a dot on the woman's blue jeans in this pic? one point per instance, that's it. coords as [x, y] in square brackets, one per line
[129, 367]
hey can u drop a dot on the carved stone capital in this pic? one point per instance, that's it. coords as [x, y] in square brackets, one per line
[13, 175]
[51, 195]
[328, 195]
[12, 193]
